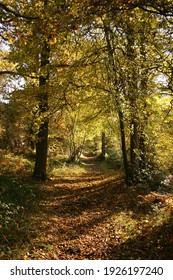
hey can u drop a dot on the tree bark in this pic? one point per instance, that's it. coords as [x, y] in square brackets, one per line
[142, 148]
[134, 147]
[103, 152]
[42, 135]
[117, 103]
[134, 150]
[123, 147]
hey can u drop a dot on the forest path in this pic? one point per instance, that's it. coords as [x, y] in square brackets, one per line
[77, 209]
[95, 216]
[90, 215]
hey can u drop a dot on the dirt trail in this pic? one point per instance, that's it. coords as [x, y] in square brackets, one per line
[75, 213]
[91, 216]
[95, 216]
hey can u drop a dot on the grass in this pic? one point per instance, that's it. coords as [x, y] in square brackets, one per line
[68, 170]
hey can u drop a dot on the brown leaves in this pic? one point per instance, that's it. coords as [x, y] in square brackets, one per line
[92, 215]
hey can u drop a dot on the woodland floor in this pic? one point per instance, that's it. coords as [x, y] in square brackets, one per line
[89, 215]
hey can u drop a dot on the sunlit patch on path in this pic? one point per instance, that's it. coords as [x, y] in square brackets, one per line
[91, 215]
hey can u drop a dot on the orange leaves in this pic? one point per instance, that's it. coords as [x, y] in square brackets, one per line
[152, 197]
[91, 215]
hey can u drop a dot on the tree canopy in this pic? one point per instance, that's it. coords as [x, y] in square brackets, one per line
[77, 70]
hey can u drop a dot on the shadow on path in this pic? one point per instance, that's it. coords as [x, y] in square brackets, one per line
[83, 217]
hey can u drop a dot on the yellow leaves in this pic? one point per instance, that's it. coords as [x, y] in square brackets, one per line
[54, 219]
[53, 41]
[25, 257]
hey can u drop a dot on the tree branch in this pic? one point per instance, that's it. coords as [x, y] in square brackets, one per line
[163, 12]
[7, 72]
[164, 8]
[16, 14]
[13, 73]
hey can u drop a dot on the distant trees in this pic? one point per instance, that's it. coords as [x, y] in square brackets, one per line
[127, 64]
[84, 62]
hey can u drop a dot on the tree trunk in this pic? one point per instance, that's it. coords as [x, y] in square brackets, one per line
[123, 147]
[42, 136]
[103, 152]
[113, 78]
[134, 143]
[134, 150]
[142, 141]
[142, 148]
[41, 152]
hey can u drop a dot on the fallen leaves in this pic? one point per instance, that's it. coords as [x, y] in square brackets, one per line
[91, 216]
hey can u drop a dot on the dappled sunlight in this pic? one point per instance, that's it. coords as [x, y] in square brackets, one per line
[93, 215]
[86, 129]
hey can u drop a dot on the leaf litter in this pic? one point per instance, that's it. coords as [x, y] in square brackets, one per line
[93, 215]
